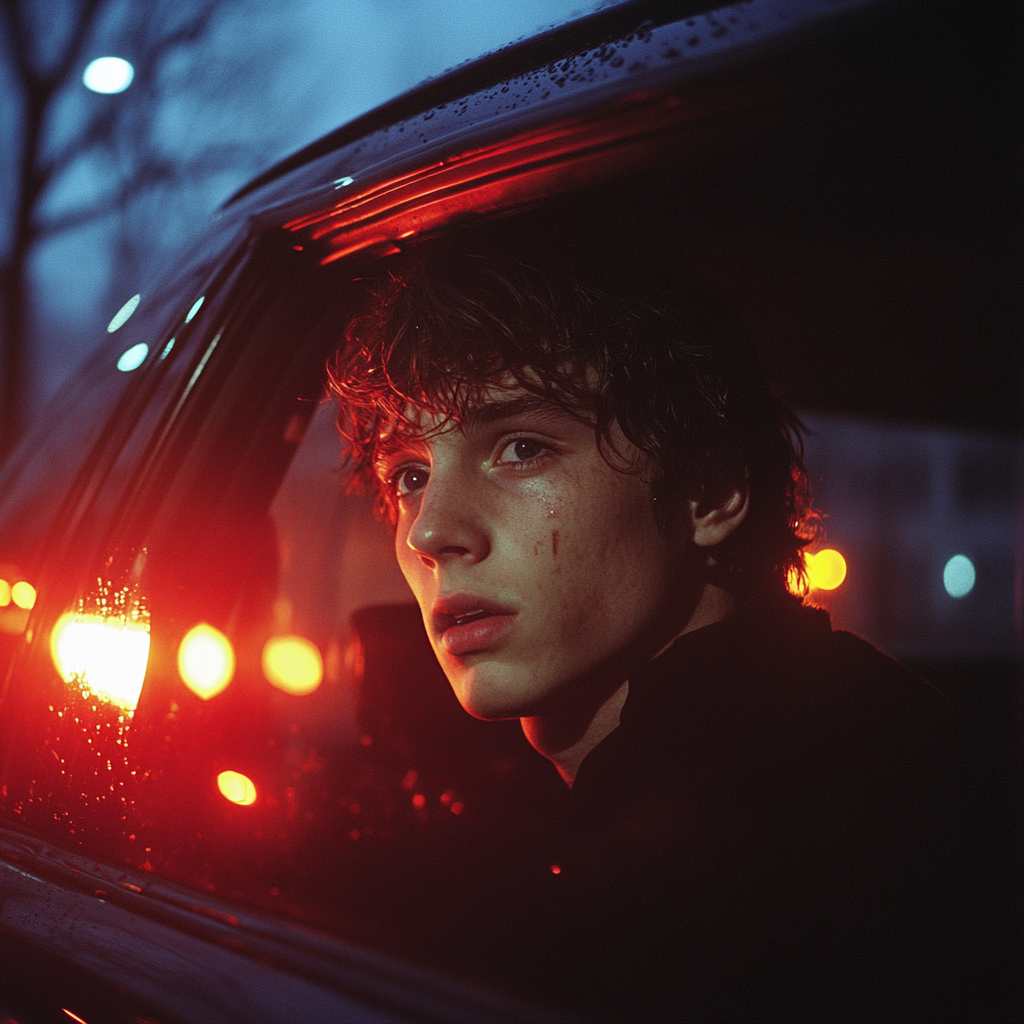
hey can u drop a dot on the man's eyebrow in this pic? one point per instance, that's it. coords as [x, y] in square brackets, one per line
[500, 409]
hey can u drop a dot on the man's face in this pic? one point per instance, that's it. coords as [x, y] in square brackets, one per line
[539, 569]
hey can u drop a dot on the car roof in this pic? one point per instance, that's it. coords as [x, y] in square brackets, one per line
[882, 124]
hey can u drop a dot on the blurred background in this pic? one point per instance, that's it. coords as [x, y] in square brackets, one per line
[105, 175]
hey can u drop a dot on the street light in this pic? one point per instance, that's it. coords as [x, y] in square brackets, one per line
[108, 75]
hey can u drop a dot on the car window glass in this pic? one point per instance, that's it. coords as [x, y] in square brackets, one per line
[238, 693]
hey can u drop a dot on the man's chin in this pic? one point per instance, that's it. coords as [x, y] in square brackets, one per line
[484, 696]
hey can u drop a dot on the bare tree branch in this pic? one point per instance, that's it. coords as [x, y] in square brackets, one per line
[152, 144]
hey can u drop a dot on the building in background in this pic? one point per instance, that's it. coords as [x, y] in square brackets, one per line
[913, 510]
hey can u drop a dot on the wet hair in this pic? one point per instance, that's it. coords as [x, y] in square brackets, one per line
[603, 337]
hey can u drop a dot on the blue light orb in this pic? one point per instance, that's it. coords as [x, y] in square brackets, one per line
[195, 308]
[958, 577]
[108, 75]
[133, 358]
[122, 315]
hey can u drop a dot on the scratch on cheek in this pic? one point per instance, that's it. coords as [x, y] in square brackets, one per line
[554, 543]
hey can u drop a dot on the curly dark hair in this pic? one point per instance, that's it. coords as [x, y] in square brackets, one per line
[602, 337]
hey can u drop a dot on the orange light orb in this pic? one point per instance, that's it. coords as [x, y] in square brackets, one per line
[237, 788]
[23, 594]
[206, 660]
[826, 569]
[293, 664]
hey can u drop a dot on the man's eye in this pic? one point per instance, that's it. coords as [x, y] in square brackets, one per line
[409, 480]
[523, 449]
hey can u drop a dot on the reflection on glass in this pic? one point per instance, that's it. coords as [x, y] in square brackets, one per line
[293, 664]
[195, 308]
[122, 315]
[104, 654]
[133, 358]
[206, 660]
[237, 788]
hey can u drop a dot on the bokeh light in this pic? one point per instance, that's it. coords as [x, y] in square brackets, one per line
[958, 577]
[133, 358]
[108, 75]
[121, 316]
[206, 660]
[5, 593]
[237, 788]
[23, 595]
[196, 306]
[826, 569]
[293, 664]
[107, 654]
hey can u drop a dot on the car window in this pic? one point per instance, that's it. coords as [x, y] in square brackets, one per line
[51, 480]
[233, 689]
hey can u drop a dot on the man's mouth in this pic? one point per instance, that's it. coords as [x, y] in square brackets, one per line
[461, 620]
[465, 623]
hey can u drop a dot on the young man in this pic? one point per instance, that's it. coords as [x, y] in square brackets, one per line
[598, 506]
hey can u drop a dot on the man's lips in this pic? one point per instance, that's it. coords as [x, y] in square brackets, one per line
[466, 623]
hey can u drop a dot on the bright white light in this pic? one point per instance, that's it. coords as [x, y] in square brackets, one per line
[109, 655]
[133, 358]
[108, 75]
[122, 315]
[195, 308]
[958, 577]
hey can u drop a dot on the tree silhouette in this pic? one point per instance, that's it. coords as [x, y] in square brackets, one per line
[193, 119]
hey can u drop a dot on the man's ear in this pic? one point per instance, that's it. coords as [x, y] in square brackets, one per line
[714, 517]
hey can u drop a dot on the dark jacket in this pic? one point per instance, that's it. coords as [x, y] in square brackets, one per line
[785, 825]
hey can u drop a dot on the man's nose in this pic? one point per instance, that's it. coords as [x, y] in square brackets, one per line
[449, 523]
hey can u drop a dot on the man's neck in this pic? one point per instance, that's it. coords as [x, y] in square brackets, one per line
[549, 735]
[565, 737]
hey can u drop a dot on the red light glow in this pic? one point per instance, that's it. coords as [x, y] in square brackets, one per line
[237, 788]
[107, 654]
[206, 661]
